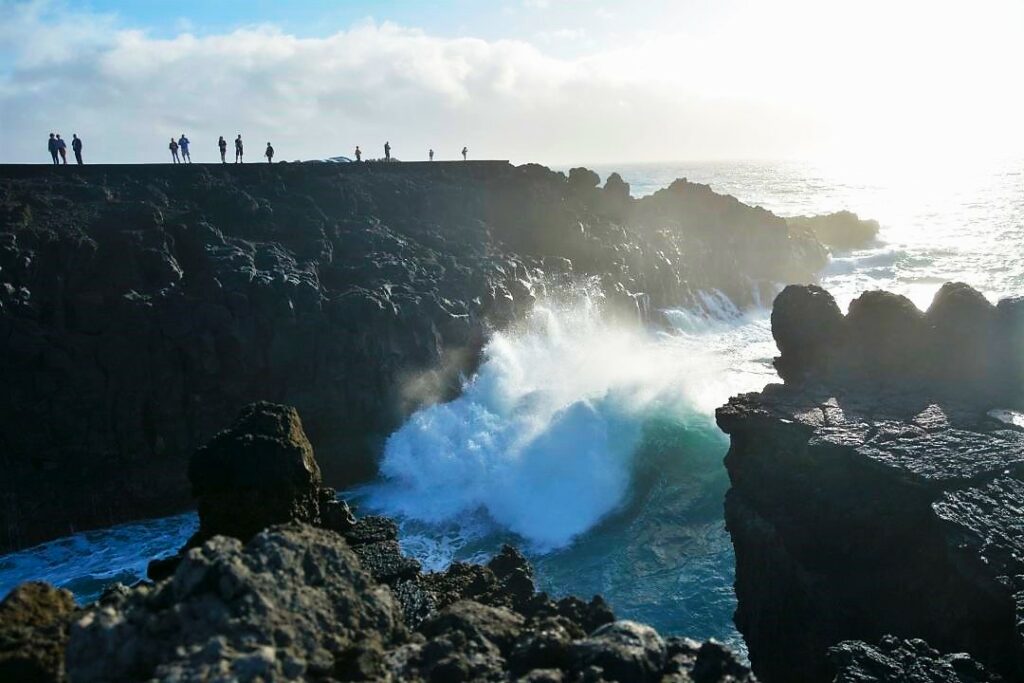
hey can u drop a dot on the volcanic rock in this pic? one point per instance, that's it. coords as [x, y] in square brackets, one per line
[842, 230]
[142, 307]
[874, 495]
[34, 632]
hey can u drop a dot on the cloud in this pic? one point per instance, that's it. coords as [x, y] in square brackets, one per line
[749, 89]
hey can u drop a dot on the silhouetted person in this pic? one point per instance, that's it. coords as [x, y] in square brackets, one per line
[222, 145]
[465, 151]
[431, 155]
[76, 146]
[174, 151]
[183, 144]
[238, 149]
[269, 154]
[62, 147]
[359, 154]
[387, 151]
[53, 147]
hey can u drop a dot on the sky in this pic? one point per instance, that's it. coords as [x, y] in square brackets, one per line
[553, 81]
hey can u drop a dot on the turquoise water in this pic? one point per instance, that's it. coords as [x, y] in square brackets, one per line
[594, 447]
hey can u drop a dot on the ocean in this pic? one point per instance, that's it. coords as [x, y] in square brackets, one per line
[593, 446]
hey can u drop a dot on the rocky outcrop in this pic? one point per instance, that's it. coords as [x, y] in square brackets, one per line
[34, 620]
[842, 230]
[142, 307]
[904, 661]
[873, 494]
[300, 601]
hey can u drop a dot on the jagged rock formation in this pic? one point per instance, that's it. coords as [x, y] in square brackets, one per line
[842, 230]
[303, 602]
[142, 307]
[873, 494]
[904, 661]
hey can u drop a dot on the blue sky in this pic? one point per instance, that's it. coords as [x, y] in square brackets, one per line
[555, 81]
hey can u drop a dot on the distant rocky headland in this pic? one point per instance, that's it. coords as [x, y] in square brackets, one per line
[141, 307]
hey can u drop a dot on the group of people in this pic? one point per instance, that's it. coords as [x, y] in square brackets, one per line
[222, 145]
[180, 150]
[387, 153]
[58, 148]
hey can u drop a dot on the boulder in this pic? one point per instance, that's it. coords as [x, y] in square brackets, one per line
[34, 619]
[807, 325]
[623, 651]
[259, 472]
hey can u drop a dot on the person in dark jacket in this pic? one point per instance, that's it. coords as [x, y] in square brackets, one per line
[76, 146]
[359, 154]
[238, 149]
[174, 151]
[52, 147]
[62, 147]
[222, 145]
[465, 151]
[269, 154]
[387, 151]
[183, 143]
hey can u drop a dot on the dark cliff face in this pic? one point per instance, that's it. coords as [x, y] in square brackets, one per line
[141, 307]
[874, 497]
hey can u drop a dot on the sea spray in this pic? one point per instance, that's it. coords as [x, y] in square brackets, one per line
[542, 442]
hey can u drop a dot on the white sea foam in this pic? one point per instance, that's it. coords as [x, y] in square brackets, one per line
[542, 439]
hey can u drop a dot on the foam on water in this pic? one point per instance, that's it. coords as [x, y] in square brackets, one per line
[543, 437]
[86, 563]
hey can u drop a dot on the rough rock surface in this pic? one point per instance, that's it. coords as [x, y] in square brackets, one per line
[142, 307]
[867, 502]
[295, 604]
[34, 632]
[904, 661]
[842, 230]
[304, 602]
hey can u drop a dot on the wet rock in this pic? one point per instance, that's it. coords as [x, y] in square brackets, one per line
[34, 620]
[896, 660]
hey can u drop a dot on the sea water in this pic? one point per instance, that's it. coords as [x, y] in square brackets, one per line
[593, 446]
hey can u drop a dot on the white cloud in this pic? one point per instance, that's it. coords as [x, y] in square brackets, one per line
[825, 80]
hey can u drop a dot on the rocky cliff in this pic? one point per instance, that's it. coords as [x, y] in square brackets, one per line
[142, 307]
[876, 495]
[322, 596]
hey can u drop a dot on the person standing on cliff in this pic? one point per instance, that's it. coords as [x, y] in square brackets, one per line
[222, 145]
[465, 151]
[431, 155]
[76, 147]
[52, 147]
[174, 151]
[62, 147]
[183, 144]
[269, 154]
[238, 149]
[387, 151]
[359, 154]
